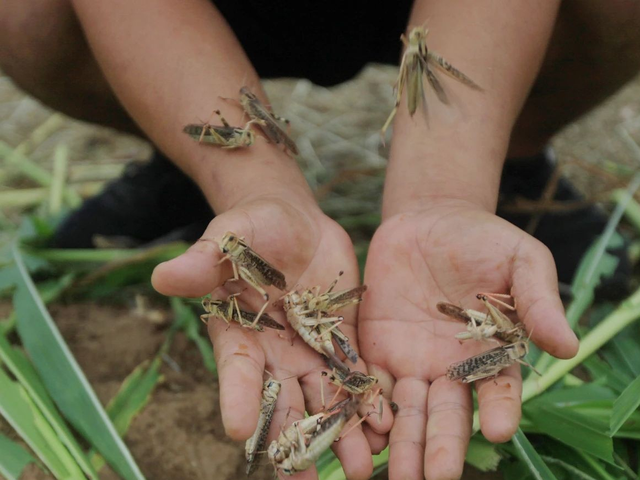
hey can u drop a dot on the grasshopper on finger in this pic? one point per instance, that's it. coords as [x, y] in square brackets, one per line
[251, 267]
[266, 119]
[229, 311]
[224, 136]
[257, 441]
[489, 363]
[505, 329]
[416, 62]
[306, 449]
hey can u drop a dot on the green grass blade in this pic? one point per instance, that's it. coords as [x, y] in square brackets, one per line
[20, 367]
[134, 394]
[191, 325]
[624, 406]
[483, 455]
[572, 428]
[25, 418]
[571, 469]
[530, 457]
[13, 459]
[63, 377]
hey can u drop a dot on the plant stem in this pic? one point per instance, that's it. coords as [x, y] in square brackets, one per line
[632, 210]
[624, 315]
[27, 197]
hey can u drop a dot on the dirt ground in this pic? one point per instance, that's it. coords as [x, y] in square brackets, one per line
[179, 435]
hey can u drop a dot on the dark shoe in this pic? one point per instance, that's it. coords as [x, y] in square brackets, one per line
[567, 234]
[148, 202]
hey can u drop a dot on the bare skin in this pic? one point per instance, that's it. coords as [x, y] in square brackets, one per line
[417, 254]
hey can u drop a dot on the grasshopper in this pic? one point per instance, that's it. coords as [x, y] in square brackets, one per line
[225, 136]
[256, 443]
[267, 121]
[251, 267]
[479, 325]
[307, 327]
[280, 448]
[505, 329]
[354, 382]
[305, 450]
[229, 311]
[416, 62]
[489, 363]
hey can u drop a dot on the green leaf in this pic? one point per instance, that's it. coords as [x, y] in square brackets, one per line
[20, 367]
[132, 397]
[13, 459]
[63, 377]
[627, 403]
[25, 418]
[528, 455]
[191, 325]
[483, 455]
[600, 370]
[572, 428]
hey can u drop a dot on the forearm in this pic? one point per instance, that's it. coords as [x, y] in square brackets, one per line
[458, 152]
[169, 63]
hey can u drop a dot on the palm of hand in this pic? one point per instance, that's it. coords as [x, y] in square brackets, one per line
[310, 250]
[449, 254]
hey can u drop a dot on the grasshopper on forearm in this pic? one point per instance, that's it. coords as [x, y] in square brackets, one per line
[266, 119]
[489, 363]
[251, 267]
[416, 62]
[256, 443]
[229, 311]
[225, 136]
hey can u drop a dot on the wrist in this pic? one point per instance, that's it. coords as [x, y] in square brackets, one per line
[229, 179]
[459, 161]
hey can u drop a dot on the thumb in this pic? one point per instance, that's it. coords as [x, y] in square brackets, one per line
[196, 272]
[535, 286]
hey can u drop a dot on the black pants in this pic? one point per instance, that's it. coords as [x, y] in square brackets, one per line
[326, 41]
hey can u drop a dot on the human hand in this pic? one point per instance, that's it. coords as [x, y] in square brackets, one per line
[450, 251]
[310, 249]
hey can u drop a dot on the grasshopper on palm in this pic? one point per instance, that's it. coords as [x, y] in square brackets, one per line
[225, 136]
[489, 363]
[416, 62]
[251, 267]
[266, 119]
[255, 444]
[479, 325]
[229, 311]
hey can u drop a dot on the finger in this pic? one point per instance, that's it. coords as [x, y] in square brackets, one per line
[377, 442]
[450, 412]
[240, 362]
[407, 437]
[353, 449]
[500, 402]
[196, 272]
[535, 286]
[289, 408]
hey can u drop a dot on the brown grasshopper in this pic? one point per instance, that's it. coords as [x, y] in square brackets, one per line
[416, 62]
[229, 311]
[251, 267]
[327, 304]
[354, 382]
[225, 136]
[256, 443]
[505, 329]
[489, 363]
[305, 450]
[479, 325]
[307, 326]
[267, 121]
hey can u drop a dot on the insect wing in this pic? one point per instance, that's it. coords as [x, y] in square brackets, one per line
[266, 320]
[450, 70]
[343, 343]
[263, 270]
[212, 134]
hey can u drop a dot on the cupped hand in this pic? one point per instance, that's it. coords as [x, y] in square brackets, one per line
[450, 252]
[310, 249]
